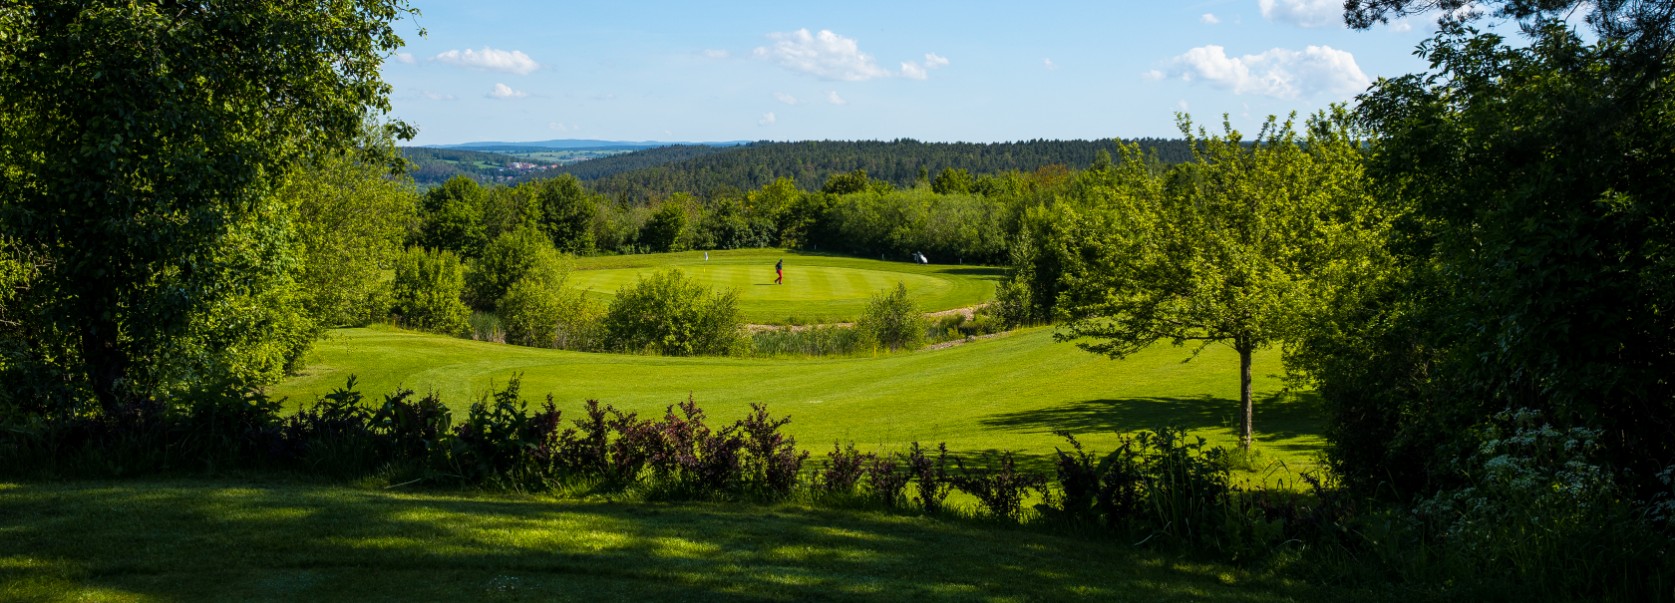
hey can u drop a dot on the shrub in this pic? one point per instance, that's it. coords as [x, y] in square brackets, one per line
[930, 476]
[1107, 491]
[539, 311]
[885, 480]
[501, 443]
[844, 467]
[427, 290]
[892, 321]
[667, 313]
[688, 459]
[505, 260]
[1001, 491]
[771, 459]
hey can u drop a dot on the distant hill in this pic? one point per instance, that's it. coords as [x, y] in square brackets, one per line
[651, 174]
[508, 162]
[432, 166]
[647, 174]
[571, 144]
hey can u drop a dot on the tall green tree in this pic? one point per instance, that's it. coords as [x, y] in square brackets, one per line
[451, 217]
[666, 228]
[1225, 249]
[427, 288]
[1536, 262]
[566, 214]
[140, 144]
[352, 218]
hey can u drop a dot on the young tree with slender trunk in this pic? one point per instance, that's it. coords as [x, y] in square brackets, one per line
[1224, 249]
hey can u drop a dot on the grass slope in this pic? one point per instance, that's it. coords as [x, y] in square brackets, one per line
[254, 541]
[818, 288]
[1007, 393]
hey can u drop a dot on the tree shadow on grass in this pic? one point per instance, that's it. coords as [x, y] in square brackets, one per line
[183, 540]
[1289, 421]
[1120, 414]
[981, 272]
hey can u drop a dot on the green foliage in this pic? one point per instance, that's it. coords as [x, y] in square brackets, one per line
[427, 292]
[538, 310]
[146, 168]
[947, 228]
[669, 314]
[567, 212]
[1231, 248]
[643, 177]
[666, 229]
[815, 341]
[952, 181]
[505, 260]
[351, 221]
[1519, 279]
[892, 321]
[451, 218]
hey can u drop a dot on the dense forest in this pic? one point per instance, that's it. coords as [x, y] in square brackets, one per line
[649, 175]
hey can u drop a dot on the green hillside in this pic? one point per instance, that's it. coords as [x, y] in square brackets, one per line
[1006, 393]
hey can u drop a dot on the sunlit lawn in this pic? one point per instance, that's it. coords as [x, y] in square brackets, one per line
[816, 288]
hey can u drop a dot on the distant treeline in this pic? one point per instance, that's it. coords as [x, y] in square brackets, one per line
[432, 166]
[655, 174]
[651, 175]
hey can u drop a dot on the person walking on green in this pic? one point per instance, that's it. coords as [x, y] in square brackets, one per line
[779, 272]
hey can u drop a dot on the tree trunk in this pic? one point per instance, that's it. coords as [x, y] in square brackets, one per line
[1246, 416]
[106, 365]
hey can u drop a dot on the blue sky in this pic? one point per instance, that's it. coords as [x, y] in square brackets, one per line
[516, 70]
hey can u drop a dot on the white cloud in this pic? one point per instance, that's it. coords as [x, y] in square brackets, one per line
[1153, 75]
[405, 57]
[833, 98]
[512, 61]
[1182, 106]
[1049, 65]
[1209, 19]
[785, 98]
[504, 91]
[436, 96]
[557, 127]
[1303, 13]
[1280, 72]
[716, 54]
[1401, 26]
[830, 56]
[768, 119]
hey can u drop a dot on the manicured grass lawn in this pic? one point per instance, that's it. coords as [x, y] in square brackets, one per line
[232, 540]
[817, 288]
[1007, 393]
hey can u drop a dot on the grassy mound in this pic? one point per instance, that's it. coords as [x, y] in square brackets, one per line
[817, 288]
[1007, 393]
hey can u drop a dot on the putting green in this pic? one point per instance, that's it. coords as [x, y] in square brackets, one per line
[816, 288]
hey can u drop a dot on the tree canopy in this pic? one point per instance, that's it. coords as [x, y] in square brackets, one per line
[140, 144]
[1229, 248]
